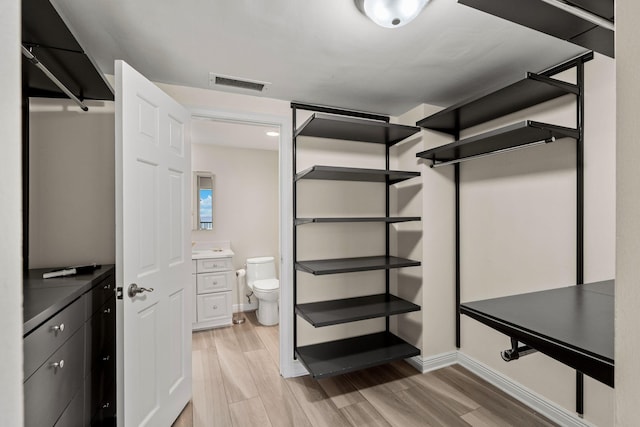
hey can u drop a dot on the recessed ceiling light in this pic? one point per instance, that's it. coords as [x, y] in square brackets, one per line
[273, 133]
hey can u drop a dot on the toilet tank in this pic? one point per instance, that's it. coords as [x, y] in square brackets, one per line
[261, 268]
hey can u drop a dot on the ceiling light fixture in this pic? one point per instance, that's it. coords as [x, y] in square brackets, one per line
[273, 133]
[391, 13]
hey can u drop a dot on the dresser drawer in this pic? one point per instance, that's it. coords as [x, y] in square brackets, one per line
[44, 340]
[214, 264]
[72, 415]
[100, 294]
[213, 282]
[214, 307]
[50, 389]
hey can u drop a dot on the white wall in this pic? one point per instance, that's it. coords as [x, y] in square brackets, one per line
[245, 201]
[71, 194]
[628, 214]
[518, 230]
[10, 217]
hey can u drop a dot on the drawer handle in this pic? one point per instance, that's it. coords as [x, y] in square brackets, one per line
[58, 328]
[107, 310]
[215, 307]
[107, 286]
[56, 365]
[215, 282]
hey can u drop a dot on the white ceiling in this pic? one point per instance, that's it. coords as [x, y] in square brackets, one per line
[233, 134]
[316, 51]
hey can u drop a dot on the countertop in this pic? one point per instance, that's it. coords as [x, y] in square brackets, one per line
[211, 253]
[45, 297]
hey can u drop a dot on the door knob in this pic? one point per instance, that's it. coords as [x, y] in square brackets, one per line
[135, 290]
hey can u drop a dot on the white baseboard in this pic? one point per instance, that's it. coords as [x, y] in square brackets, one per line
[431, 363]
[245, 307]
[528, 397]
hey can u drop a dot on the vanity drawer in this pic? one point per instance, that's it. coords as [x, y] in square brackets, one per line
[214, 264]
[50, 389]
[44, 340]
[214, 307]
[206, 283]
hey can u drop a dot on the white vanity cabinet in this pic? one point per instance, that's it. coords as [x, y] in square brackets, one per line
[213, 280]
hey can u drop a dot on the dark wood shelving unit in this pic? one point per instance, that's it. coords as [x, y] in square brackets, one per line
[512, 136]
[350, 265]
[334, 126]
[390, 220]
[352, 354]
[325, 313]
[526, 93]
[336, 173]
[347, 355]
[532, 90]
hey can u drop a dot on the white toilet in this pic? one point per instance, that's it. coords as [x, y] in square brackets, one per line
[261, 279]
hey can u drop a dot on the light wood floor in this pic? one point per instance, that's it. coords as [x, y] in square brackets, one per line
[236, 382]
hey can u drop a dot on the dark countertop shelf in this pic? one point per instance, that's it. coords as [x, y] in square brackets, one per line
[42, 298]
[532, 90]
[574, 325]
[336, 173]
[332, 126]
[351, 354]
[302, 221]
[348, 265]
[512, 136]
[325, 313]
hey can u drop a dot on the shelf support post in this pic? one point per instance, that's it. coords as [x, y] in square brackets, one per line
[295, 245]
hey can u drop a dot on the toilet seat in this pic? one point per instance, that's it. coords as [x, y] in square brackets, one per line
[266, 285]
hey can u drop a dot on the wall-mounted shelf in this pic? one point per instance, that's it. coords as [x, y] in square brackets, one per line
[350, 265]
[332, 126]
[336, 173]
[550, 19]
[346, 355]
[530, 91]
[515, 97]
[389, 220]
[508, 137]
[352, 354]
[325, 313]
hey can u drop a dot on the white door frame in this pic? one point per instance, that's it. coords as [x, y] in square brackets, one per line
[288, 366]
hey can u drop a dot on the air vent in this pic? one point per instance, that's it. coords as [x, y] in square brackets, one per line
[228, 82]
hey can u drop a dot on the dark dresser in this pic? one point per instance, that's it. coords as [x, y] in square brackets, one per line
[70, 349]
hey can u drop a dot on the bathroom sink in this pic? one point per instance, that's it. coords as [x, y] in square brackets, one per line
[211, 253]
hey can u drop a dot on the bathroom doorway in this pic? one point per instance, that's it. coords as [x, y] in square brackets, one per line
[248, 157]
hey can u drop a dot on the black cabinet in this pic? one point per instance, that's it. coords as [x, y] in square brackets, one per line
[70, 349]
[346, 355]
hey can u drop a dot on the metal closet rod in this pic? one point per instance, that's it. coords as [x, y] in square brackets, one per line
[581, 13]
[505, 150]
[27, 53]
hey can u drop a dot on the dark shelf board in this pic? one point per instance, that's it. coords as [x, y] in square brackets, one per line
[349, 265]
[549, 19]
[388, 220]
[530, 91]
[56, 48]
[325, 313]
[347, 355]
[354, 174]
[332, 126]
[516, 135]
